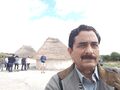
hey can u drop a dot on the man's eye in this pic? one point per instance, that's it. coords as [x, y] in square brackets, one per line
[82, 45]
[94, 45]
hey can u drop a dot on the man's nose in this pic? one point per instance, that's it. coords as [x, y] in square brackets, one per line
[89, 49]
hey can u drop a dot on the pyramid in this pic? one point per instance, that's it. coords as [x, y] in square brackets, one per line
[57, 55]
[25, 51]
[54, 49]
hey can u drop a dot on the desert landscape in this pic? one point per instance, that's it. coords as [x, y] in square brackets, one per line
[25, 80]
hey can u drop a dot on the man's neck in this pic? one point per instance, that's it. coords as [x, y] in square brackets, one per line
[87, 72]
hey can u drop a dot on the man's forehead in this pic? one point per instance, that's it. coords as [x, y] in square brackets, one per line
[86, 39]
[78, 41]
[88, 36]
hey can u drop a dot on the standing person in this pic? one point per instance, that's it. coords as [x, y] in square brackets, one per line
[43, 59]
[23, 61]
[6, 63]
[2, 63]
[28, 62]
[85, 73]
[16, 67]
[11, 61]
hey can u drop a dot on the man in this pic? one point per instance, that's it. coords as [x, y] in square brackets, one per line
[2, 63]
[23, 62]
[11, 61]
[85, 73]
[28, 62]
[6, 63]
[43, 59]
[16, 63]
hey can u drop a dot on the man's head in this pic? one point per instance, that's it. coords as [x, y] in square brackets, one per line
[84, 46]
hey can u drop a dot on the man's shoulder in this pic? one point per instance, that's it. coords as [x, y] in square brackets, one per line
[53, 83]
[66, 72]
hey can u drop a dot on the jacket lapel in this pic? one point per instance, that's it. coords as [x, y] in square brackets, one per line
[72, 81]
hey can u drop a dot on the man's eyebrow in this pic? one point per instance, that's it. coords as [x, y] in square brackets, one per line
[94, 42]
[82, 42]
[87, 42]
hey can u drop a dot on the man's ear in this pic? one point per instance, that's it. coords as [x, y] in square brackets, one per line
[69, 50]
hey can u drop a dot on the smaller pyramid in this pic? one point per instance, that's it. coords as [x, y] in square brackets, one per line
[25, 51]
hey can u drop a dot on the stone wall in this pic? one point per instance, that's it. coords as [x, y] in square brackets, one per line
[55, 64]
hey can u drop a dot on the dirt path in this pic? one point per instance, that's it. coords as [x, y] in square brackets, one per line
[24, 80]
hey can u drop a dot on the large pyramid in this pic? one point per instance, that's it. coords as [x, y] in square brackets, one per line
[26, 51]
[57, 55]
[54, 49]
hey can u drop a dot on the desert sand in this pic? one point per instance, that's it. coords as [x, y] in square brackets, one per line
[24, 80]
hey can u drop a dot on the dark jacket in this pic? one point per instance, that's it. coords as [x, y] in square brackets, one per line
[69, 80]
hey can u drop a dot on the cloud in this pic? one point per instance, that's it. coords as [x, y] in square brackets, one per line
[15, 22]
[64, 7]
[19, 27]
[37, 7]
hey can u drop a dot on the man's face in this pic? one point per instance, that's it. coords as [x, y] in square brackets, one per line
[85, 51]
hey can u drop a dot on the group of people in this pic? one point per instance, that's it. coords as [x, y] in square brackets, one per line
[85, 73]
[13, 62]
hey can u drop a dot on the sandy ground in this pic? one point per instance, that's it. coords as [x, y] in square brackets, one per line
[25, 80]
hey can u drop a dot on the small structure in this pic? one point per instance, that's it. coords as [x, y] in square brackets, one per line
[29, 53]
[25, 51]
[56, 53]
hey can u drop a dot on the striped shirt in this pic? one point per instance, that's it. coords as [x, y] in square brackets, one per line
[86, 83]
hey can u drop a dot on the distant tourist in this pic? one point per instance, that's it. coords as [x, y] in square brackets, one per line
[23, 62]
[2, 63]
[28, 62]
[43, 60]
[6, 63]
[11, 61]
[16, 63]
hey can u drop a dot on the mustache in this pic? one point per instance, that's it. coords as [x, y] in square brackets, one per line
[88, 57]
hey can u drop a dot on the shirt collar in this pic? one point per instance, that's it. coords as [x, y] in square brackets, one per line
[95, 76]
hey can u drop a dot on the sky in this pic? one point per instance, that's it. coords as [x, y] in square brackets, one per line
[31, 22]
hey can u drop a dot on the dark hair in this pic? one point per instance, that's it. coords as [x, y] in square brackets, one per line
[76, 31]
